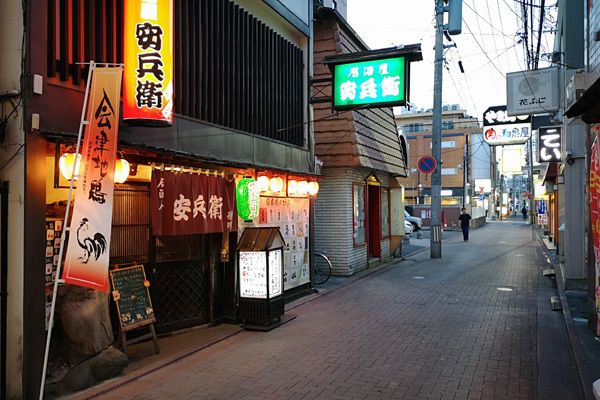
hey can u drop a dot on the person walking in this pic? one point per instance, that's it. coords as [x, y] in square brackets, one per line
[464, 223]
[524, 211]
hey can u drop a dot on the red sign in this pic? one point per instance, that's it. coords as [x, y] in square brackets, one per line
[148, 52]
[595, 216]
[184, 203]
[88, 251]
[426, 164]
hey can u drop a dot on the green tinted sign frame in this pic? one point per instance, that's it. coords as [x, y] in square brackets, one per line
[377, 83]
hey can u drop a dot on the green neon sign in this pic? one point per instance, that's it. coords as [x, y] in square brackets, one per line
[378, 82]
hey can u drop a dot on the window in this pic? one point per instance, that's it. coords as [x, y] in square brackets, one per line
[385, 212]
[358, 206]
[447, 125]
[449, 171]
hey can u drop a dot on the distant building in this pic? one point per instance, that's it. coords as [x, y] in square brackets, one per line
[461, 139]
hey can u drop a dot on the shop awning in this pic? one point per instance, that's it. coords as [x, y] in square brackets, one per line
[588, 105]
[551, 172]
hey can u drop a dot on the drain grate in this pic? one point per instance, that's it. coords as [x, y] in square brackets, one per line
[555, 303]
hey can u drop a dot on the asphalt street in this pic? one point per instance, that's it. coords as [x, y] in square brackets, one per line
[475, 324]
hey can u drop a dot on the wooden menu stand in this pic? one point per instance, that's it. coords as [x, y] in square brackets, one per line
[131, 294]
[123, 342]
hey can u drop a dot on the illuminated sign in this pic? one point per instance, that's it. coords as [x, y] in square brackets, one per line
[549, 144]
[148, 50]
[500, 129]
[511, 161]
[378, 82]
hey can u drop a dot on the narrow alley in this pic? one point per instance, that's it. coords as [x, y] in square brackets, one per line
[462, 327]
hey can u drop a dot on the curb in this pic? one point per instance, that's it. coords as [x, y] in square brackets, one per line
[584, 376]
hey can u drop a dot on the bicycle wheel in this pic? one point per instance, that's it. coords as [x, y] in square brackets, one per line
[322, 269]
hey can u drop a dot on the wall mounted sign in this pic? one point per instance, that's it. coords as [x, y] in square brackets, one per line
[499, 128]
[532, 92]
[511, 161]
[549, 144]
[379, 83]
[148, 51]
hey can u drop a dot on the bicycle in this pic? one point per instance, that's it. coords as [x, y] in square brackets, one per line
[322, 268]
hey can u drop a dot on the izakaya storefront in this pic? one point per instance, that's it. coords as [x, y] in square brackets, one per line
[181, 223]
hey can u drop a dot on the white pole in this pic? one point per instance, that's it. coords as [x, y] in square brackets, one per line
[65, 224]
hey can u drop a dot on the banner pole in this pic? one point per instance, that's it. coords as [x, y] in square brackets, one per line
[57, 281]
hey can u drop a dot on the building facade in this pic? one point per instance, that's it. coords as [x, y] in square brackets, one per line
[361, 157]
[240, 110]
[459, 135]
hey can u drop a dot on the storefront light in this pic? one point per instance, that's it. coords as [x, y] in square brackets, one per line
[248, 199]
[302, 188]
[292, 187]
[313, 188]
[263, 183]
[121, 170]
[276, 184]
[65, 165]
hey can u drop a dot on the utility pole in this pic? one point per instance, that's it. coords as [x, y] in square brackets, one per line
[532, 192]
[454, 27]
[465, 171]
[436, 141]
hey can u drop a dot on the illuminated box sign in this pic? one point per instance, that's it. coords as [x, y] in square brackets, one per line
[148, 50]
[549, 144]
[501, 129]
[378, 82]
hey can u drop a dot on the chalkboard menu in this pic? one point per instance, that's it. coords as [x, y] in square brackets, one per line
[130, 292]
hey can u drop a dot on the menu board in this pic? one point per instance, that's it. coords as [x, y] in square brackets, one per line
[253, 274]
[54, 228]
[130, 292]
[275, 265]
[291, 216]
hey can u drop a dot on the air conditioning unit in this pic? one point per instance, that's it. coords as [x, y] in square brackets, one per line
[578, 84]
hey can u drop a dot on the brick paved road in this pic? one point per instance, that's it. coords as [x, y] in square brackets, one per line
[461, 327]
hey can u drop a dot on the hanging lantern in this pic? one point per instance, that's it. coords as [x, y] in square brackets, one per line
[313, 188]
[292, 187]
[248, 199]
[276, 184]
[302, 188]
[65, 165]
[263, 183]
[121, 170]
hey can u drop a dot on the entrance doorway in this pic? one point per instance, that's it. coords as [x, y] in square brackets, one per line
[374, 218]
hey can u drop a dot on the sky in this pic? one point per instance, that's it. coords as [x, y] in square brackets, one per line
[488, 47]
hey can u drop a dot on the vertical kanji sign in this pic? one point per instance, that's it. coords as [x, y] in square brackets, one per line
[148, 50]
[595, 216]
[86, 262]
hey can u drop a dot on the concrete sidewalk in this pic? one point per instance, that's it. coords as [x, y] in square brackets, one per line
[561, 363]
